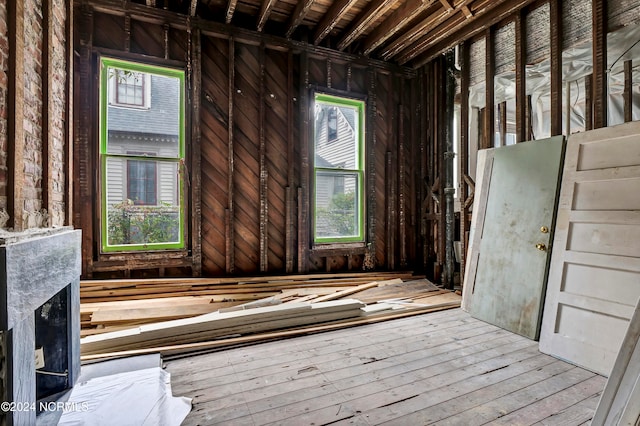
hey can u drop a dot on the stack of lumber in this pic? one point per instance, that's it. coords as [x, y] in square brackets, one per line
[205, 315]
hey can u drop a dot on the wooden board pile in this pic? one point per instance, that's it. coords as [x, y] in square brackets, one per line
[133, 316]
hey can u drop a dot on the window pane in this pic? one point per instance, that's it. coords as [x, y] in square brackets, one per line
[154, 128]
[143, 203]
[337, 199]
[336, 138]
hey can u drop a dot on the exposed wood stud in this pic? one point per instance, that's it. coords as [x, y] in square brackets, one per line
[300, 12]
[166, 28]
[399, 19]
[489, 113]
[402, 220]
[502, 108]
[349, 71]
[521, 83]
[376, 9]
[465, 79]
[265, 11]
[600, 90]
[588, 101]
[372, 114]
[290, 241]
[304, 192]
[628, 91]
[555, 7]
[231, 8]
[336, 11]
[69, 28]
[47, 107]
[15, 123]
[127, 32]
[529, 119]
[329, 73]
[230, 213]
[264, 172]
[196, 152]
[390, 211]
[83, 146]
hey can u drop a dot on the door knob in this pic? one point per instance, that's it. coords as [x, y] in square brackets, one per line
[541, 247]
[544, 229]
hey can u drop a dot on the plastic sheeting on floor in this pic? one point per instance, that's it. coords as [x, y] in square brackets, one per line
[135, 398]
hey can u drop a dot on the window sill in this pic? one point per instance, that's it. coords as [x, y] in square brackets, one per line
[339, 249]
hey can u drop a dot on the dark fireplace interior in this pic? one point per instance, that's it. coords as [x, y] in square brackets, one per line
[52, 336]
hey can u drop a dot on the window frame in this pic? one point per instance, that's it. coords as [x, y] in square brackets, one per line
[360, 106]
[105, 101]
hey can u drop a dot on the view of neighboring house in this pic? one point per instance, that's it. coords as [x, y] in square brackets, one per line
[143, 148]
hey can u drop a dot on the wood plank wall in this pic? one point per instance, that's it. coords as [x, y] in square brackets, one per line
[251, 170]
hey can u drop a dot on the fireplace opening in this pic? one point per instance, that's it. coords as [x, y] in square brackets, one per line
[52, 345]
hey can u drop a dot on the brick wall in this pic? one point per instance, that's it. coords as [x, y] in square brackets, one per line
[33, 143]
[538, 46]
[576, 22]
[477, 59]
[622, 13]
[37, 150]
[505, 48]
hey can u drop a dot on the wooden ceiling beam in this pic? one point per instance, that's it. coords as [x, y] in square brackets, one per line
[490, 14]
[335, 13]
[193, 7]
[398, 20]
[419, 30]
[231, 8]
[376, 9]
[302, 8]
[265, 11]
[447, 5]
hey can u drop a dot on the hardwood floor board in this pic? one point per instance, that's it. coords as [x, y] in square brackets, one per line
[427, 397]
[500, 407]
[260, 357]
[559, 401]
[441, 368]
[341, 365]
[576, 414]
[439, 404]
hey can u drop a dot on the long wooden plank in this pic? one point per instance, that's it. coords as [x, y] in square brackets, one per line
[353, 290]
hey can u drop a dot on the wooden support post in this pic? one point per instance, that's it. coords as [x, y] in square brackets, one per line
[165, 30]
[15, 122]
[503, 122]
[84, 163]
[628, 91]
[521, 78]
[230, 214]
[600, 91]
[48, 104]
[68, 158]
[196, 152]
[588, 101]
[370, 172]
[391, 175]
[555, 7]
[465, 79]
[349, 71]
[329, 73]
[290, 210]
[390, 209]
[489, 109]
[264, 172]
[529, 121]
[402, 220]
[127, 32]
[304, 191]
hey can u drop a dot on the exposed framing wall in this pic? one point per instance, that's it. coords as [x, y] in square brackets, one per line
[249, 161]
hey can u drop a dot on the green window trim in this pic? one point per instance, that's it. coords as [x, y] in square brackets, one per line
[356, 173]
[105, 155]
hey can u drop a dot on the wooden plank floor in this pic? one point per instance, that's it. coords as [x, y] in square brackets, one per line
[443, 368]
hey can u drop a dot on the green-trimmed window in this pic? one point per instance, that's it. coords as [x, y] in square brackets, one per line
[141, 156]
[338, 169]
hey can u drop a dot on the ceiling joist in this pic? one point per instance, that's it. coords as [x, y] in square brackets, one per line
[376, 9]
[302, 8]
[335, 13]
[398, 20]
[265, 11]
[193, 7]
[231, 8]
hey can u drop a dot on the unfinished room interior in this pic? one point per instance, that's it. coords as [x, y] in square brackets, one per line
[320, 212]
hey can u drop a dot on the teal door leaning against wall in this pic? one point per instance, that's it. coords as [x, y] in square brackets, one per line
[515, 245]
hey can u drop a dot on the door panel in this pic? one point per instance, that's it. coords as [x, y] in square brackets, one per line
[594, 276]
[510, 278]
